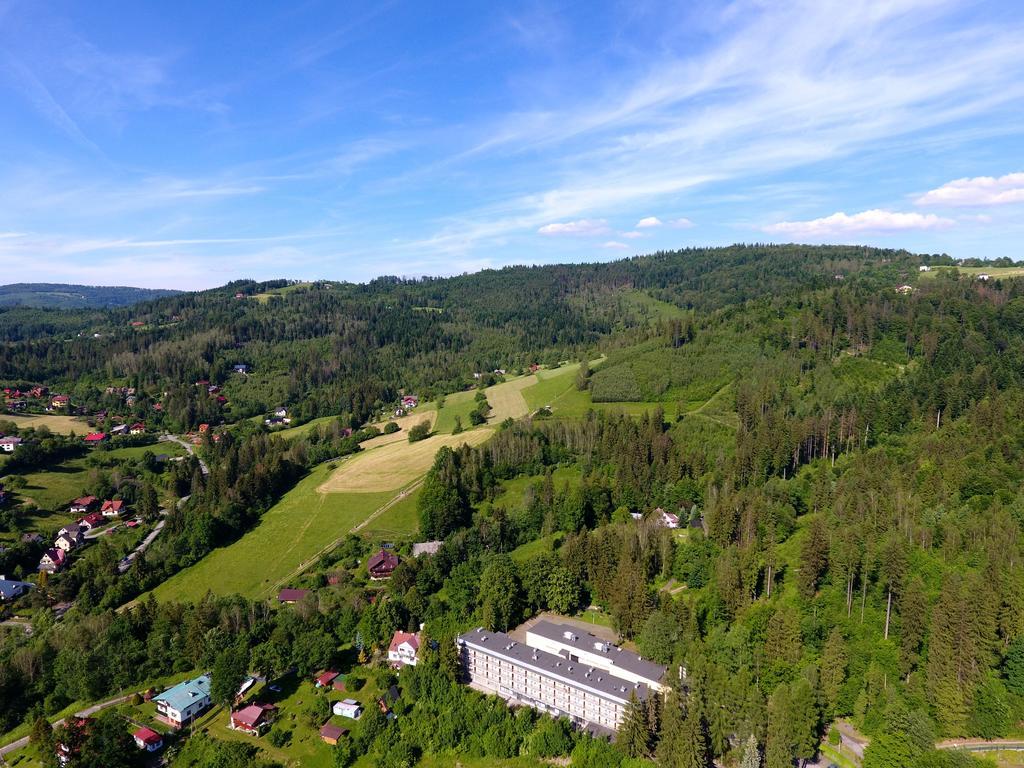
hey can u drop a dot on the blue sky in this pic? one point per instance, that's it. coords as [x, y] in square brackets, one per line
[171, 144]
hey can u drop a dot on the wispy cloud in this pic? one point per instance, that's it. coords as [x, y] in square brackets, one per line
[615, 245]
[681, 223]
[581, 228]
[979, 191]
[874, 221]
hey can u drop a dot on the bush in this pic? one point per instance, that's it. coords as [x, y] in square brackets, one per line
[391, 427]
[279, 737]
[420, 432]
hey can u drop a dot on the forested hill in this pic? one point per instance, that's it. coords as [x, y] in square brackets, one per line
[331, 348]
[61, 296]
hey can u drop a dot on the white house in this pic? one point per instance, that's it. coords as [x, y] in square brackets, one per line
[184, 702]
[984, 276]
[9, 444]
[403, 649]
[924, 268]
[349, 708]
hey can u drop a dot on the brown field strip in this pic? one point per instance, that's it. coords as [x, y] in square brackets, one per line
[394, 465]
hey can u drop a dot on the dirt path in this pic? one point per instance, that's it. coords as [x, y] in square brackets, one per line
[337, 542]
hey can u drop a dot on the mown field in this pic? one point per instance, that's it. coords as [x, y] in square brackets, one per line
[291, 532]
[63, 425]
[995, 272]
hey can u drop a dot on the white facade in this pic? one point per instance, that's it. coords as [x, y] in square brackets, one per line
[586, 697]
[349, 708]
[403, 653]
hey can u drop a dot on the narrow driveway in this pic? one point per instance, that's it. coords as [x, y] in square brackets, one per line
[168, 438]
[14, 746]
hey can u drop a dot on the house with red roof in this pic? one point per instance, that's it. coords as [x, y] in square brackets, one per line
[325, 678]
[253, 718]
[91, 520]
[148, 739]
[113, 508]
[289, 595]
[60, 401]
[403, 649]
[138, 428]
[382, 564]
[84, 505]
[95, 438]
[53, 560]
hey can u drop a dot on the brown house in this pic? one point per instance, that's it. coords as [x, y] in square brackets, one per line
[382, 564]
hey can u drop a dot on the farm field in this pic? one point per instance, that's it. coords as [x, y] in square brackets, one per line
[397, 522]
[63, 425]
[394, 465]
[292, 531]
[995, 272]
[137, 451]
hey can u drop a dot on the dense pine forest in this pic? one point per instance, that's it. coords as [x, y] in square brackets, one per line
[850, 489]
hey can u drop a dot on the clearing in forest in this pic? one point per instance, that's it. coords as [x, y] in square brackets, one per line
[394, 465]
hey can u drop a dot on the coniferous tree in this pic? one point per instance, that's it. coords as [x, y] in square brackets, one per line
[751, 754]
[634, 735]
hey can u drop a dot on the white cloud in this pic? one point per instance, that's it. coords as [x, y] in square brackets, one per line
[631, 235]
[681, 223]
[580, 228]
[614, 244]
[649, 221]
[873, 221]
[981, 190]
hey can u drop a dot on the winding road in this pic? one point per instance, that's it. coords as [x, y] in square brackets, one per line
[14, 746]
[191, 449]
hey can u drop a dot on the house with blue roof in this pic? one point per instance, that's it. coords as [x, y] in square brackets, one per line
[184, 702]
[11, 589]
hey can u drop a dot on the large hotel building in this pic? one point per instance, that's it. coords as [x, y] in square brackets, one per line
[560, 670]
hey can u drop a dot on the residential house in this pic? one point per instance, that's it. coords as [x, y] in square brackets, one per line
[10, 443]
[148, 739]
[60, 401]
[331, 733]
[138, 428]
[66, 542]
[410, 401]
[11, 589]
[113, 508]
[349, 708]
[90, 521]
[984, 277]
[95, 438]
[31, 538]
[53, 560]
[905, 290]
[253, 718]
[289, 596]
[403, 649]
[84, 505]
[120, 429]
[184, 702]
[241, 368]
[324, 679]
[924, 268]
[667, 519]
[382, 564]
[426, 548]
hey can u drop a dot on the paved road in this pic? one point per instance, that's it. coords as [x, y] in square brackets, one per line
[980, 745]
[127, 560]
[167, 438]
[14, 746]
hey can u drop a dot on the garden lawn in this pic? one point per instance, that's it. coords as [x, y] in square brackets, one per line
[295, 529]
[137, 451]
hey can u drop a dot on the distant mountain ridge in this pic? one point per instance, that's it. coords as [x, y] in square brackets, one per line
[63, 296]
